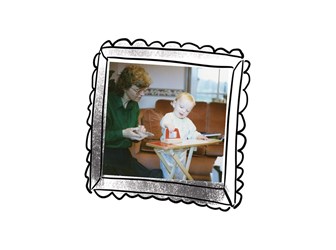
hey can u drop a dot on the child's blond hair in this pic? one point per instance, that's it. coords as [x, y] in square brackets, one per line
[187, 96]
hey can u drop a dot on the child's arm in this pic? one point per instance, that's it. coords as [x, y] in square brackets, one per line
[201, 137]
[194, 134]
[167, 123]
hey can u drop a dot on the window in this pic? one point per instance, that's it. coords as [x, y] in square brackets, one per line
[210, 84]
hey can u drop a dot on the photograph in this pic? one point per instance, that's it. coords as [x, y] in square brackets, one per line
[162, 122]
[159, 125]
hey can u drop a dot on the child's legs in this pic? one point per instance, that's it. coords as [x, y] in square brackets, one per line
[182, 157]
[164, 170]
[178, 174]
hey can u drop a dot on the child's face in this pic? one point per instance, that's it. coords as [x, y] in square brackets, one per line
[182, 107]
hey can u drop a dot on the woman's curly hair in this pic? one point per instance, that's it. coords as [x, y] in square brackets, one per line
[132, 75]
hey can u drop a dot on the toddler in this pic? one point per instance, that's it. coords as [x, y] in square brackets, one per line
[183, 104]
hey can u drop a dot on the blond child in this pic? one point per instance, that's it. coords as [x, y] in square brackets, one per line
[183, 104]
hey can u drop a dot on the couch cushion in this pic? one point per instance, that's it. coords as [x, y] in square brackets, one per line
[151, 120]
[216, 118]
[215, 149]
[200, 150]
[163, 106]
[198, 116]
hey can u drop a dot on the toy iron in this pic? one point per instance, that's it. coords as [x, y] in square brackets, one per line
[172, 137]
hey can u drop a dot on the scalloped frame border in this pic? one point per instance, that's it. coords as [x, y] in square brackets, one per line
[220, 196]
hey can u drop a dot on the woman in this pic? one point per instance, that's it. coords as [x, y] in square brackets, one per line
[122, 124]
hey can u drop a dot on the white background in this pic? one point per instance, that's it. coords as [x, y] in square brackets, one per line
[46, 57]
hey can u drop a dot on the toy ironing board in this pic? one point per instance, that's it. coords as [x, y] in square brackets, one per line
[172, 137]
[161, 148]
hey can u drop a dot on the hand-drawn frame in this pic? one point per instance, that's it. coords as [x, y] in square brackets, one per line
[220, 196]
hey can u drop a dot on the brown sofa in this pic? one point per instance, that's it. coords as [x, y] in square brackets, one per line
[207, 117]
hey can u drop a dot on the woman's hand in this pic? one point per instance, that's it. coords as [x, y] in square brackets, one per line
[135, 134]
[141, 129]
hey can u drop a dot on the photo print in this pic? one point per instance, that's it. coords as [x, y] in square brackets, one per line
[166, 122]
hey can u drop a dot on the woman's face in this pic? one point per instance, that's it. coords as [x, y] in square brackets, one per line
[134, 93]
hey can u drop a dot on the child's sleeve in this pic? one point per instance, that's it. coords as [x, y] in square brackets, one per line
[163, 121]
[192, 133]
